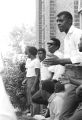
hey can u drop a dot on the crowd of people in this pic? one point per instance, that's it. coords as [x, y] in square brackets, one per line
[45, 81]
[49, 88]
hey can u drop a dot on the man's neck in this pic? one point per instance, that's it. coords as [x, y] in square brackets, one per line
[66, 31]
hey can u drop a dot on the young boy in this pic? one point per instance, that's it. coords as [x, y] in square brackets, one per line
[32, 78]
[45, 74]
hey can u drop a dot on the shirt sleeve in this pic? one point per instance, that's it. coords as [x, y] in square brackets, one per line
[37, 63]
[76, 57]
[27, 63]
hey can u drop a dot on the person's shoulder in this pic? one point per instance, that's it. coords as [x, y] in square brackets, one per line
[59, 54]
[36, 61]
[77, 30]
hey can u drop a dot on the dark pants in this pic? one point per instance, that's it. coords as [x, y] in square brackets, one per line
[34, 108]
[70, 104]
[37, 98]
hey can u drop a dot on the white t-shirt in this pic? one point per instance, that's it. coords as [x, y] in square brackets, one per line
[58, 70]
[45, 73]
[31, 65]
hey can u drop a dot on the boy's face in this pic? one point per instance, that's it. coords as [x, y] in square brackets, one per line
[41, 55]
[28, 53]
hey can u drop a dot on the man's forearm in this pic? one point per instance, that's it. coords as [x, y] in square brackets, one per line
[65, 61]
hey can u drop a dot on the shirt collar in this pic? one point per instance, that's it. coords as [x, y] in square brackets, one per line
[51, 97]
[71, 29]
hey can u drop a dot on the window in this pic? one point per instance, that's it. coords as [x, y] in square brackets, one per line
[80, 12]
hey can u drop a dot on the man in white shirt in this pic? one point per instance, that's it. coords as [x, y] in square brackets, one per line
[44, 75]
[71, 55]
[57, 70]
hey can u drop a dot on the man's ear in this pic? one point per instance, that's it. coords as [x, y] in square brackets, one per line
[70, 21]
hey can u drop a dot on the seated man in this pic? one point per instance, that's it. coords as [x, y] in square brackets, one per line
[53, 98]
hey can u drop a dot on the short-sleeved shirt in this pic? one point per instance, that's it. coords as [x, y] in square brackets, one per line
[45, 73]
[58, 70]
[31, 65]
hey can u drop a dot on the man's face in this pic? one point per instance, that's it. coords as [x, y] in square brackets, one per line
[52, 47]
[41, 55]
[63, 23]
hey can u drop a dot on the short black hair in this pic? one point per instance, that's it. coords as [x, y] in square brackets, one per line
[67, 15]
[43, 50]
[56, 42]
[48, 86]
[26, 49]
[59, 87]
[32, 50]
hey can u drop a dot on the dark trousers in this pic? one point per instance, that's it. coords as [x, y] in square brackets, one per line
[37, 98]
[34, 108]
[70, 104]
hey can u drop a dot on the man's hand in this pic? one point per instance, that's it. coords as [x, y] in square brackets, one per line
[51, 61]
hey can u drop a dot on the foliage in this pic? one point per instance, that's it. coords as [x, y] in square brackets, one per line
[13, 78]
[21, 37]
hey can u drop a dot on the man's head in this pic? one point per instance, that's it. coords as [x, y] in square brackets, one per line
[53, 45]
[41, 54]
[64, 21]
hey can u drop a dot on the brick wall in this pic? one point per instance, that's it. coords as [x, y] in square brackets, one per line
[76, 15]
[52, 18]
[47, 11]
[40, 23]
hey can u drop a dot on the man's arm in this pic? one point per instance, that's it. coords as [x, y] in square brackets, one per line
[65, 61]
[55, 61]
